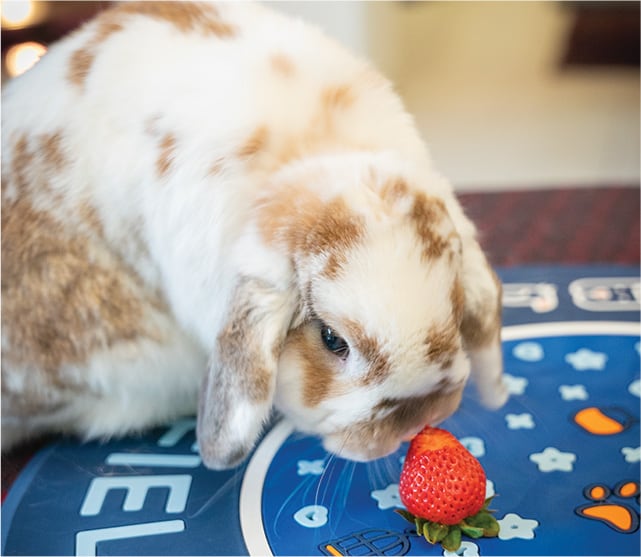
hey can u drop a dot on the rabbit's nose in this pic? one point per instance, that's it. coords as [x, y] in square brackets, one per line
[411, 434]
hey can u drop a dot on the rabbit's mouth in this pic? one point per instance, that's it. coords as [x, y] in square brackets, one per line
[377, 438]
[357, 450]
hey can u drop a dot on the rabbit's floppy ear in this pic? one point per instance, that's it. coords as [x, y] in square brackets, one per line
[480, 297]
[238, 390]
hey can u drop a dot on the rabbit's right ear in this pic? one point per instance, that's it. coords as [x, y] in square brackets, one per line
[237, 393]
[480, 295]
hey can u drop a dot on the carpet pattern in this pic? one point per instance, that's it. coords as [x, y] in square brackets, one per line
[565, 226]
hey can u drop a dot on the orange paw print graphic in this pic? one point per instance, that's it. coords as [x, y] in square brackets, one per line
[621, 517]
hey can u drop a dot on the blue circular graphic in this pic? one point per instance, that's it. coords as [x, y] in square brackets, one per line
[534, 452]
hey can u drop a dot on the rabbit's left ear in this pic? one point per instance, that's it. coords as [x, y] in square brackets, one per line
[481, 294]
[237, 393]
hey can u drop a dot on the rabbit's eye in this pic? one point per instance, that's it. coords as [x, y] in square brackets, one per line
[333, 342]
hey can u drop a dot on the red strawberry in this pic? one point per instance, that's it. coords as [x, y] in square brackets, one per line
[443, 487]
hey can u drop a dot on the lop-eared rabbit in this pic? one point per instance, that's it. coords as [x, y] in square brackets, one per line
[216, 209]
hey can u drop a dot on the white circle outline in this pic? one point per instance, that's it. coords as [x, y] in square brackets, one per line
[251, 490]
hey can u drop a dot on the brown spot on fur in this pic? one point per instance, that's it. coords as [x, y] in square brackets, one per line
[442, 344]
[64, 298]
[32, 169]
[457, 299]
[165, 157]
[108, 23]
[52, 152]
[186, 17]
[59, 305]
[166, 144]
[481, 326]
[283, 65]
[371, 350]
[311, 227]
[394, 189]
[318, 374]
[79, 66]
[89, 217]
[333, 265]
[427, 213]
[338, 97]
[336, 236]
[23, 161]
[333, 231]
[254, 144]
[474, 330]
[108, 26]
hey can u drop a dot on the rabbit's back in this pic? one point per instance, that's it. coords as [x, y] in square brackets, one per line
[135, 159]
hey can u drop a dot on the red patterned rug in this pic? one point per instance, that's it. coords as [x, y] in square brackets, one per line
[565, 226]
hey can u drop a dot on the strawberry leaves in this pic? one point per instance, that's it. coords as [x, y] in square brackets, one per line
[434, 532]
[480, 525]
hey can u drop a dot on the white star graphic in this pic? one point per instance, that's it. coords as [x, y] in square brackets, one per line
[513, 526]
[631, 454]
[315, 467]
[519, 421]
[634, 388]
[585, 359]
[573, 392]
[388, 497]
[551, 460]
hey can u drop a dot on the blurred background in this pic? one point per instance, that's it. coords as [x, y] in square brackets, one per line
[507, 94]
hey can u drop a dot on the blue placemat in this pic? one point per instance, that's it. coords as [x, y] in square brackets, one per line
[562, 456]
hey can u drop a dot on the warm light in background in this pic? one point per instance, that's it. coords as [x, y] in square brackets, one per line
[22, 57]
[17, 14]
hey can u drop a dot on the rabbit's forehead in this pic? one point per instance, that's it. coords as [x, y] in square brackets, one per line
[386, 291]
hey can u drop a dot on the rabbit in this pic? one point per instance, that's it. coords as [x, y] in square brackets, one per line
[215, 209]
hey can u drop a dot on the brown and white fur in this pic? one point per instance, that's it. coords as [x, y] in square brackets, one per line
[190, 193]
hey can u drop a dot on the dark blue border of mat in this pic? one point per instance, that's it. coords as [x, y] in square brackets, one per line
[18, 488]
